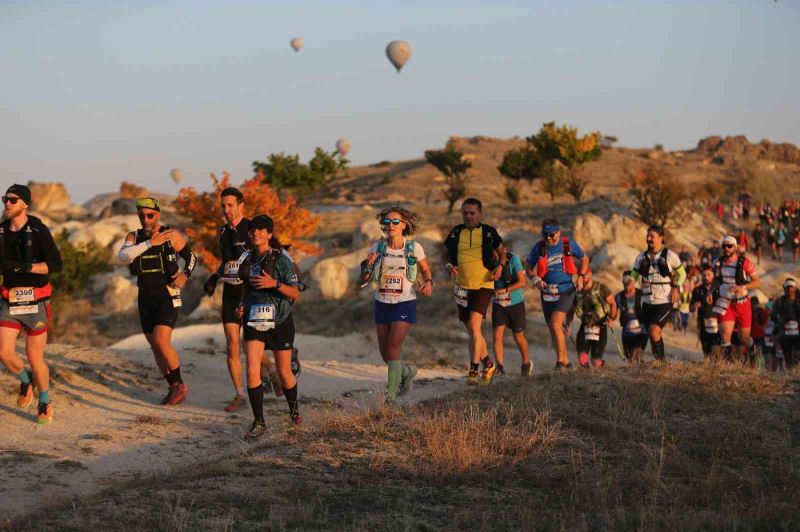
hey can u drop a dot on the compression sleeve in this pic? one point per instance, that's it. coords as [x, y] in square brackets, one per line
[680, 272]
[130, 251]
[189, 259]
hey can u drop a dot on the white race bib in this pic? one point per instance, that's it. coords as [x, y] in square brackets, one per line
[721, 306]
[460, 295]
[23, 309]
[504, 299]
[592, 334]
[175, 293]
[261, 317]
[768, 341]
[550, 293]
[633, 326]
[21, 295]
[230, 271]
[711, 325]
[791, 329]
[391, 284]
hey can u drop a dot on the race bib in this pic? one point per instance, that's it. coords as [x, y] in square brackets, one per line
[550, 293]
[21, 295]
[592, 334]
[230, 271]
[633, 326]
[791, 329]
[504, 299]
[711, 325]
[261, 317]
[768, 341]
[391, 284]
[460, 295]
[175, 294]
[721, 306]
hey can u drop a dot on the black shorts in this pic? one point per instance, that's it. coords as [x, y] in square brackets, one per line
[477, 301]
[231, 298]
[512, 316]
[656, 314]
[155, 308]
[281, 338]
[632, 342]
[595, 347]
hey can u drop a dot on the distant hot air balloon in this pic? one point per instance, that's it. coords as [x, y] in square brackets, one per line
[176, 174]
[343, 146]
[296, 43]
[398, 53]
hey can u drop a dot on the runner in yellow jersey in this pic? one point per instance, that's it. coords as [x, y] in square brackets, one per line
[475, 257]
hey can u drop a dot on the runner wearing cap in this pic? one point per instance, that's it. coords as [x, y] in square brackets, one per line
[28, 254]
[629, 303]
[786, 317]
[662, 275]
[734, 276]
[152, 253]
[551, 265]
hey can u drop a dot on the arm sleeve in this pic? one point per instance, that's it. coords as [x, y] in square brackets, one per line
[130, 251]
[189, 258]
[52, 257]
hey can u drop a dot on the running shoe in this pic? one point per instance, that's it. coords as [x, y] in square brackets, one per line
[25, 393]
[406, 382]
[296, 369]
[179, 391]
[598, 362]
[45, 415]
[256, 430]
[527, 369]
[500, 370]
[165, 400]
[473, 379]
[488, 375]
[236, 403]
[583, 359]
[560, 366]
[276, 384]
[296, 419]
[389, 397]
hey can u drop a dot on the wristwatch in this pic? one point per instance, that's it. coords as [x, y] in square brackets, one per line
[278, 284]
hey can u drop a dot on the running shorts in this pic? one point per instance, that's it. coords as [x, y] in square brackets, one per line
[386, 313]
[563, 304]
[595, 347]
[477, 301]
[739, 312]
[231, 298]
[512, 316]
[35, 321]
[281, 338]
[656, 314]
[155, 308]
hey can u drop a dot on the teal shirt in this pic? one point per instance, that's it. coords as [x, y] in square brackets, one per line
[282, 272]
[515, 266]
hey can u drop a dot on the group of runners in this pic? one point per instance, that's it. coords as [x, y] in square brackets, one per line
[261, 284]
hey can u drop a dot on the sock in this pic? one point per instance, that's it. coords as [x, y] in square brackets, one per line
[24, 377]
[658, 349]
[487, 362]
[176, 375]
[395, 371]
[473, 366]
[727, 350]
[44, 397]
[240, 391]
[168, 378]
[256, 396]
[406, 372]
[291, 400]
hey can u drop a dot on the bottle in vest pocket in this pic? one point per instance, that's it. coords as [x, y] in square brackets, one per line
[175, 294]
[22, 300]
[261, 316]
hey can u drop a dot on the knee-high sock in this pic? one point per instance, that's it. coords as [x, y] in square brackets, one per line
[395, 372]
[658, 349]
[24, 377]
[291, 399]
[256, 396]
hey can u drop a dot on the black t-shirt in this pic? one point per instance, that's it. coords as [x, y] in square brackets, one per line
[234, 241]
[31, 244]
[699, 295]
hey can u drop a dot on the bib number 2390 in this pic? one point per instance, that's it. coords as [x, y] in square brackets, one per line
[22, 301]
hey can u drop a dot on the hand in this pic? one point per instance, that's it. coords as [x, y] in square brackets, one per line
[179, 279]
[15, 266]
[211, 284]
[161, 237]
[426, 289]
[500, 291]
[240, 311]
[371, 258]
[674, 295]
[497, 273]
[451, 270]
[263, 281]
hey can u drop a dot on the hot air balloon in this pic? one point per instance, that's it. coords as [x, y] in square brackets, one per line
[296, 43]
[176, 174]
[398, 53]
[343, 146]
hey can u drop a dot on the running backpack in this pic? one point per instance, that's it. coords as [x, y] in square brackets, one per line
[567, 260]
[661, 264]
[741, 280]
[599, 306]
[411, 260]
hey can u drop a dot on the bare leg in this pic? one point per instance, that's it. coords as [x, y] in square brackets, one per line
[522, 344]
[497, 343]
[34, 348]
[11, 360]
[383, 341]
[557, 336]
[234, 355]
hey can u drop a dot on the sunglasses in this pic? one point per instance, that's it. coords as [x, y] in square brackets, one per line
[393, 221]
[148, 215]
[728, 246]
[11, 199]
[548, 234]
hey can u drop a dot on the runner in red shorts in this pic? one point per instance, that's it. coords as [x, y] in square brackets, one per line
[734, 275]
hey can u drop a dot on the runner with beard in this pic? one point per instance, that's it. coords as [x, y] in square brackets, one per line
[28, 254]
[152, 253]
[629, 303]
[786, 317]
[662, 275]
[702, 302]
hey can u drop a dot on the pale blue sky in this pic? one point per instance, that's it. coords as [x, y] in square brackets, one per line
[94, 93]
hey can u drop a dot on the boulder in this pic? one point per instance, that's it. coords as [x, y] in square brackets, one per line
[131, 190]
[368, 231]
[209, 307]
[49, 196]
[593, 231]
[106, 232]
[114, 292]
[614, 258]
[333, 276]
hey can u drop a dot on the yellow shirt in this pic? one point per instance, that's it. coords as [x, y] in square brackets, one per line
[472, 275]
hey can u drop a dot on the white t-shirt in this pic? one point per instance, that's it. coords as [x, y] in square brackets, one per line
[656, 288]
[393, 284]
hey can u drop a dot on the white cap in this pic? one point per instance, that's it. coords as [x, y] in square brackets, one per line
[788, 283]
[729, 239]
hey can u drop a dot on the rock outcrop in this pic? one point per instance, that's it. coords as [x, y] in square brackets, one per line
[729, 148]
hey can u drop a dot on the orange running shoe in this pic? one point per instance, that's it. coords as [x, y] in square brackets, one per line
[179, 391]
[45, 416]
[25, 394]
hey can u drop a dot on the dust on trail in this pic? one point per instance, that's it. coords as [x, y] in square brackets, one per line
[108, 426]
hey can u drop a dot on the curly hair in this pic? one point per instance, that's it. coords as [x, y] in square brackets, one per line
[411, 219]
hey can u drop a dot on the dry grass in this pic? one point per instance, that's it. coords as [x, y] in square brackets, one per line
[678, 447]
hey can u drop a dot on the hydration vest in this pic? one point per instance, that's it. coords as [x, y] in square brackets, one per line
[157, 264]
[411, 260]
[567, 260]
[741, 279]
[623, 305]
[661, 264]
[599, 307]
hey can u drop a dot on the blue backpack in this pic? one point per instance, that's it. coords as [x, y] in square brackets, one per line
[411, 260]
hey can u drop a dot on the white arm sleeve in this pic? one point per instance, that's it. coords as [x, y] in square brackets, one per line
[130, 251]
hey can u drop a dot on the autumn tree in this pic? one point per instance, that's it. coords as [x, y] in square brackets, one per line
[288, 175]
[292, 223]
[656, 196]
[451, 163]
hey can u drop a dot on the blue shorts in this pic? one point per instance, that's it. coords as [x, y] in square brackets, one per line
[386, 313]
[564, 303]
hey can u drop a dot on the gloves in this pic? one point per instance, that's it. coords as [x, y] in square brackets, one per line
[15, 266]
[211, 284]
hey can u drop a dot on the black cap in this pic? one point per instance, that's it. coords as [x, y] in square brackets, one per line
[262, 221]
[22, 191]
[656, 229]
